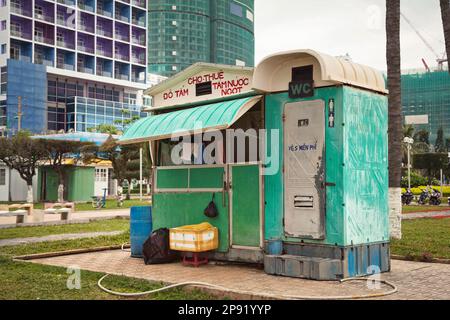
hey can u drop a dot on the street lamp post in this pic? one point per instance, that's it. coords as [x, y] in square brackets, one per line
[409, 142]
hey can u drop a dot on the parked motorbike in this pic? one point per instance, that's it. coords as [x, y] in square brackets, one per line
[424, 197]
[407, 197]
[435, 198]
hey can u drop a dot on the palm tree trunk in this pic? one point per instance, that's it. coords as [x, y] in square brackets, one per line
[445, 11]
[395, 115]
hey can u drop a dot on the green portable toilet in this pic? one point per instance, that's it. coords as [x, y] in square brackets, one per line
[328, 206]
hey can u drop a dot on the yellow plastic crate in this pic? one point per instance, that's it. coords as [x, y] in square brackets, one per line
[197, 238]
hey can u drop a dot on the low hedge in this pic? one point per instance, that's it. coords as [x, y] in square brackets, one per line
[418, 191]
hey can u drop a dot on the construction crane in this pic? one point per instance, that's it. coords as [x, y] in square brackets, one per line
[440, 61]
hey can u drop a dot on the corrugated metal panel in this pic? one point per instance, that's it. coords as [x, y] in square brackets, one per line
[218, 116]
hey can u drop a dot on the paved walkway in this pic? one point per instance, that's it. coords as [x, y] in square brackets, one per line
[57, 237]
[77, 217]
[414, 280]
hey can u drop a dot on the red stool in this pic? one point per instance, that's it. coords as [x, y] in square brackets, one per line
[195, 261]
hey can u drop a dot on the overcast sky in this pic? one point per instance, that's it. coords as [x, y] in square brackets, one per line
[356, 27]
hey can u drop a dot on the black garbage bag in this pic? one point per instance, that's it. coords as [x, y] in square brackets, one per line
[211, 210]
[157, 248]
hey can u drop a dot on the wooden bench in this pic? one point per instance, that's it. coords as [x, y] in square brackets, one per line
[21, 215]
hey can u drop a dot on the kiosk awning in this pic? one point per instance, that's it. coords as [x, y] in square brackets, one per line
[217, 116]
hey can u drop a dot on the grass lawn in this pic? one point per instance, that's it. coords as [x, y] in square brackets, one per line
[417, 209]
[64, 245]
[23, 280]
[28, 281]
[97, 226]
[424, 237]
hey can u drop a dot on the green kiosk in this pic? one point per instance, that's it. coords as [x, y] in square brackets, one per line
[294, 154]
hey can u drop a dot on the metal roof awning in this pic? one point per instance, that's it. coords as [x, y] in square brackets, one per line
[217, 116]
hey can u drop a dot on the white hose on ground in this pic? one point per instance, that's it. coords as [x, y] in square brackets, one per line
[279, 297]
[123, 247]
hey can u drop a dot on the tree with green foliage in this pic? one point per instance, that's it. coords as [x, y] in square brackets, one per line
[439, 146]
[417, 180]
[417, 147]
[23, 154]
[58, 152]
[432, 163]
[422, 136]
[408, 131]
[447, 145]
[105, 128]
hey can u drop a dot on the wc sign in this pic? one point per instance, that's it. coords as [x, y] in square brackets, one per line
[303, 89]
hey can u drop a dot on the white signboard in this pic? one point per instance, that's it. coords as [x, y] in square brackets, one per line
[206, 85]
[415, 120]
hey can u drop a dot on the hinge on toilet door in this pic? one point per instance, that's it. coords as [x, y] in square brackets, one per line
[284, 117]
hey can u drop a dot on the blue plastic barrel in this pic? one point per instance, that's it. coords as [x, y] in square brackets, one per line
[141, 227]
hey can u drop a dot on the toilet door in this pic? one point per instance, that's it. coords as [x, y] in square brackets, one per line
[304, 169]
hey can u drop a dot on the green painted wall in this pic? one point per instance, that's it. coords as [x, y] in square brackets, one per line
[171, 210]
[246, 206]
[194, 178]
[357, 205]
[173, 179]
[208, 178]
[79, 184]
[51, 184]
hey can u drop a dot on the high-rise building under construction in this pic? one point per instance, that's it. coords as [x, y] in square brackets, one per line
[426, 101]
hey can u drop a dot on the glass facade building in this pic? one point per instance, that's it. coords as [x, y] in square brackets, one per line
[84, 114]
[232, 32]
[27, 81]
[183, 32]
[76, 49]
[428, 93]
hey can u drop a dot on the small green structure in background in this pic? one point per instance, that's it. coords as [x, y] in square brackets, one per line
[79, 184]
